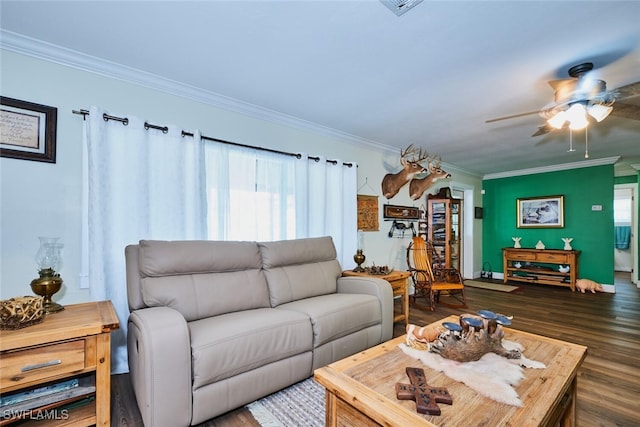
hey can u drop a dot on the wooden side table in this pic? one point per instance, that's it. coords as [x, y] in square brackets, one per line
[530, 259]
[74, 344]
[400, 286]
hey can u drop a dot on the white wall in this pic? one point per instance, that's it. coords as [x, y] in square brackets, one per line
[41, 199]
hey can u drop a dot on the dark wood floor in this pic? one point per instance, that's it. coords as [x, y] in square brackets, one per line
[608, 324]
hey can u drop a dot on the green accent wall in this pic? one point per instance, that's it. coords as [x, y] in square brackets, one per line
[626, 179]
[592, 231]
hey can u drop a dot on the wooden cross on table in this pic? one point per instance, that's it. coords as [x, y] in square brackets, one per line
[426, 397]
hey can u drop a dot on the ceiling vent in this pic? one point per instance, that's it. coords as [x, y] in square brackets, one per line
[400, 6]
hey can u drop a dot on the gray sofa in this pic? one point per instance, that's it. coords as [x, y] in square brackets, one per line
[214, 325]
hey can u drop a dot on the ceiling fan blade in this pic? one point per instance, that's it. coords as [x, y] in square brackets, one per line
[545, 128]
[556, 84]
[627, 111]
[628, 91]
[513, 116]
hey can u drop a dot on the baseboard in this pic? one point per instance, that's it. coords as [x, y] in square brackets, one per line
[494, 275]
[609, 289]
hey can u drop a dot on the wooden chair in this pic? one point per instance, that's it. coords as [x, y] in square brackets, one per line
[430, 281]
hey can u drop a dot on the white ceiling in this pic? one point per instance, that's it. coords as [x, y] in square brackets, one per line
[430, 77]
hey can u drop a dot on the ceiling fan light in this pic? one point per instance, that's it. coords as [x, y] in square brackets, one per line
[558, 120]
[577, 116]
[599, 111]
[579, 122]
[576, 112]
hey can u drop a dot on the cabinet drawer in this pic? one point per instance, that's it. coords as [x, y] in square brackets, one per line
[521, 256]
[559, 258]
[40, 363]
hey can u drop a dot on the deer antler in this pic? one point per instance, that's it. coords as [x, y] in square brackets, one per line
[422, 155]
[417, 155]
[409, 150]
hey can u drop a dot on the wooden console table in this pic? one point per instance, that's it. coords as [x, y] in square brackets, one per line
[74, 344]
[399, 285]
[360, 389]
[532, 259]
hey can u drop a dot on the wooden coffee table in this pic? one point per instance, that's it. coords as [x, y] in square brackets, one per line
[360, 390]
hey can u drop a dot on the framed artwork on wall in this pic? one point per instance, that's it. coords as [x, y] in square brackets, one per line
[27, 130]
[368, 213]
[541, 212]
[401, 212]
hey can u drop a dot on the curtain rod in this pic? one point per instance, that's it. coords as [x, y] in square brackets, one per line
[165, 129]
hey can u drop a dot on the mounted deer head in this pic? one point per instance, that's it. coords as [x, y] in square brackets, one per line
[410, 159]
[417, 187]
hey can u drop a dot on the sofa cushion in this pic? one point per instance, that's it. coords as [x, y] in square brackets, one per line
[195, 277]
[337, 315]
[230, 344]
[168, 258]
[300, 268]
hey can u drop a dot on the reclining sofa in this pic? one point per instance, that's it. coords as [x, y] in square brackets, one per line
[214, 325]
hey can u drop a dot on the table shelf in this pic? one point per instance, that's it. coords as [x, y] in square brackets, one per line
[541, 266]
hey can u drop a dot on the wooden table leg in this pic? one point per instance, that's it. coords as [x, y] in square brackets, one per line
[103, 380]
[405, 300]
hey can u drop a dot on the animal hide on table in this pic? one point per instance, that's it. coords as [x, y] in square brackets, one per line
[492, 376]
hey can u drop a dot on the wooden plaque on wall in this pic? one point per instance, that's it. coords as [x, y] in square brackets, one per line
[401, 212]
[368, 213]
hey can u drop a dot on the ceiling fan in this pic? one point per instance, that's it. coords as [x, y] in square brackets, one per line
[582, 99]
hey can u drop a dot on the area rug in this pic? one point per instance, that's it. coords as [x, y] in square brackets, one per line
[491, 286]
[301, 405]
[492, 376]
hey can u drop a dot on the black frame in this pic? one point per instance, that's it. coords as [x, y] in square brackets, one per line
[401, 212]
[45, 151]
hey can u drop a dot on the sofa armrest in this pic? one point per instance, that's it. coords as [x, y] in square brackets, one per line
[377, 287]
[160, 365]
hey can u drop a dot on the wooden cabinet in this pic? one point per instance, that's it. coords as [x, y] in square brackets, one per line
[444, 230]
[541, 266]
[69, 353]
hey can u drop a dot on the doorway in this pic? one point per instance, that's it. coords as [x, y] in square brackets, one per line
[626, 229]
[465, 193]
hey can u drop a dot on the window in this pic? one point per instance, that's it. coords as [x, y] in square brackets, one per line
[250, 194]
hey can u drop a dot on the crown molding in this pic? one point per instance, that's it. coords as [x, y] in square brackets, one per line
[28, 46]
[636, 167]
[39, 49]
[554, 168]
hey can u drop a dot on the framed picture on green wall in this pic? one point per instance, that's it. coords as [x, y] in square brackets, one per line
[541, 212]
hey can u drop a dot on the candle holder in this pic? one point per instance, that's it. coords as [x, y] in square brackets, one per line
[49, 259]
[359, 259]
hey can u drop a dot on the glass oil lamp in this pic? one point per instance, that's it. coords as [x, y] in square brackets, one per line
[359, 256]
[49, 260]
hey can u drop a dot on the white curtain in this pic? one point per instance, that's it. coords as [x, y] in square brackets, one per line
[250, 194]
[142, 184]
[258, 195]
[326, 196]
[148, 184]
